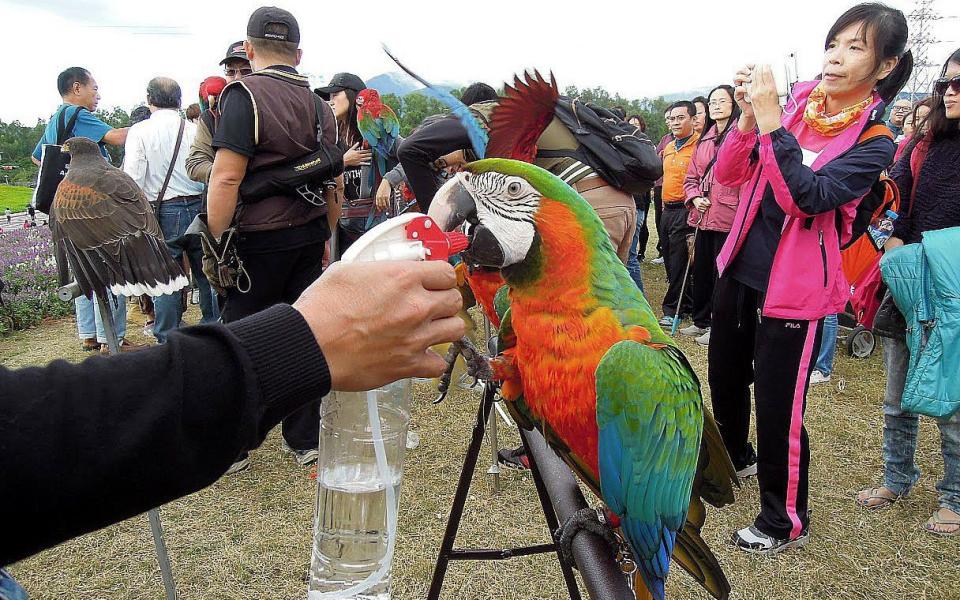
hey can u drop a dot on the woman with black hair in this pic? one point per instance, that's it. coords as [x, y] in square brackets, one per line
[801, 176]
[928, 175]
[358, 211]
[711, 206]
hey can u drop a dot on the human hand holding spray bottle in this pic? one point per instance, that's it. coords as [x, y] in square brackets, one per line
[407, 237]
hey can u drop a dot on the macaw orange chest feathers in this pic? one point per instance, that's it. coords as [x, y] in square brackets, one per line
[562, 332]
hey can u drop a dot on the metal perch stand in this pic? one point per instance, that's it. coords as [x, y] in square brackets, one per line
[67, 293]
[560, 497]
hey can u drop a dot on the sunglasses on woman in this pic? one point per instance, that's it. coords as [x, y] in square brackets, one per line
[941, 85]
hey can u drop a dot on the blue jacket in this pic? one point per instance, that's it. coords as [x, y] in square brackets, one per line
[924, 280]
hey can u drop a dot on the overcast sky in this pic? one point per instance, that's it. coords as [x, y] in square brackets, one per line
[643, 49]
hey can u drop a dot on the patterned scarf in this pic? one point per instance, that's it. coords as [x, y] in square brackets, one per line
[815, 115]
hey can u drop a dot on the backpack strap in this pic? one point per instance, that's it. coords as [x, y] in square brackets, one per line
[875, 131]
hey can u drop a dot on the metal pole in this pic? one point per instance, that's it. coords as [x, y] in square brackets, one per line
[492, 432]
[686, 275]
[113, 344]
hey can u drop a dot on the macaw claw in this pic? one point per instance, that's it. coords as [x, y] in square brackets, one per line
[593, 520]
[478, 366]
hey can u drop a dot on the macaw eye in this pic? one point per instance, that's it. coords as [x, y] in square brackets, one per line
[514, 189]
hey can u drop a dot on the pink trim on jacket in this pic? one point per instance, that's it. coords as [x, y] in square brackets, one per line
[806, 279]
[723, 199]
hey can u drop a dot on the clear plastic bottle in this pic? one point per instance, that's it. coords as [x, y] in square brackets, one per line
[352, 541]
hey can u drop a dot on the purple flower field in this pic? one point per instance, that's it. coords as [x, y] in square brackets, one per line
[29, 277]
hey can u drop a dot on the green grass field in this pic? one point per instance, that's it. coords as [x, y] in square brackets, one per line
[15, 197]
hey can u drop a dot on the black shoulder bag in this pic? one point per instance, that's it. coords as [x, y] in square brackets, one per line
[54, 163]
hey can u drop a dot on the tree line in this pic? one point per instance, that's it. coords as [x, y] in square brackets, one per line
[17, 141]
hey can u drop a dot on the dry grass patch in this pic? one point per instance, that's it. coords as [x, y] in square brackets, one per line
[248, 536]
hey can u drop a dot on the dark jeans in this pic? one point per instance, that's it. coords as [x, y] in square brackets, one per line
[674, 232]
[281, 276]
[777, 356]
[176, 215]
[658, 216]
[643, 205]
[704, 277]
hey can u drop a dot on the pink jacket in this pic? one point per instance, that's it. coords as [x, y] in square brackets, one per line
[806, 280]
[723, 199]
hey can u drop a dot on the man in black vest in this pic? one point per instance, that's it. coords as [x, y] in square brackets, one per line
[266, 119]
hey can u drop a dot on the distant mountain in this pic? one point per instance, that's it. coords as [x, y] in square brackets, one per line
[397, 83]
[401, 84]
[686, 95]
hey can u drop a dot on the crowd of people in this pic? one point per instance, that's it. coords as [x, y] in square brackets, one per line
[754, 209]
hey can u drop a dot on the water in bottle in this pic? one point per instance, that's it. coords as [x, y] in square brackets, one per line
[352, 522]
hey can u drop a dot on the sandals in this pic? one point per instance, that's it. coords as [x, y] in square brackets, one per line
[877, 498]
[939, 519]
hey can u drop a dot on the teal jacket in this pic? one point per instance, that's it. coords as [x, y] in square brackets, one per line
[924, 280]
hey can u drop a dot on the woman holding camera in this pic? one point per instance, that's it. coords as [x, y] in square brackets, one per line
[801, 176]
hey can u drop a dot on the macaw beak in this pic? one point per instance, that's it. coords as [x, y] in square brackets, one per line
[453, 203]
[452, 206]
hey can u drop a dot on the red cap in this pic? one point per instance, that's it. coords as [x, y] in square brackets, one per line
[439, 244]
[212, 86]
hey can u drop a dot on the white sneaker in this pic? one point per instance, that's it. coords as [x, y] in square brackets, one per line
[692, 331]
[704, 340]
[666, 321]
[752, 540]
[818, 377]
[240, 465]
[657, 261]
[748, 471]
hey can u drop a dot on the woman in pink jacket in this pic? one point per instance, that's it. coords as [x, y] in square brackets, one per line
[801, 175]
[712, 206]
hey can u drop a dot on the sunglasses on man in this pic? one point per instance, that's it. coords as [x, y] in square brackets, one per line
[235, 72]
[941, 85]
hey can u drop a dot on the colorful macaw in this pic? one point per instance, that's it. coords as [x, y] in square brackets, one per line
[378, 125]
[583, 358]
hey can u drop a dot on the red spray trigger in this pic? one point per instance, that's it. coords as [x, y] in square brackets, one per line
[439, 245]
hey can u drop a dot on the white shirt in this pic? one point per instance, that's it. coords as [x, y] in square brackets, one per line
[148, 149]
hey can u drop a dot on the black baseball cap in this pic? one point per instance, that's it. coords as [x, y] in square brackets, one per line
[235, 51]
[266, 15]
[341, 81]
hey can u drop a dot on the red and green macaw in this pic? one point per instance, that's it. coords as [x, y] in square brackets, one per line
[584, 360]
[378, 125]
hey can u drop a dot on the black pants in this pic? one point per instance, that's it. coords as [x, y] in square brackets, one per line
[777, 356]
[658, 216]
[704, 277]
[674, 232]
[276, 277]
[643, 204]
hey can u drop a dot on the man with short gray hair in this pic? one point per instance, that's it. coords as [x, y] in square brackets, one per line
[152, 146]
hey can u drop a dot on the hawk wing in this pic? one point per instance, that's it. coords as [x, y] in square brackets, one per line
[110, 234]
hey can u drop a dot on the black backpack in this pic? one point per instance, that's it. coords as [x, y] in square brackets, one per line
[619, 152]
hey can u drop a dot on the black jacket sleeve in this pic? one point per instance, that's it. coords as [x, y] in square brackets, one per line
[902, 175]
[86, 445]
[425, 145]
[842, 180]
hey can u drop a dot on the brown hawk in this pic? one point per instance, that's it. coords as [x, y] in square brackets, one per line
[103, 223]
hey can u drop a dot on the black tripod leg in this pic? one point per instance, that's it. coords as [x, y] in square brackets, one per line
[460, 498]
[551, 518]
